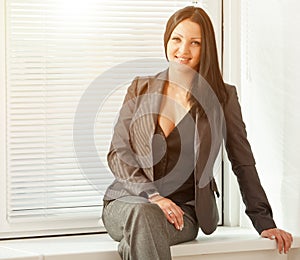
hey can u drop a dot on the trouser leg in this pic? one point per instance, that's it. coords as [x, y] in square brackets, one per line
[143, 230]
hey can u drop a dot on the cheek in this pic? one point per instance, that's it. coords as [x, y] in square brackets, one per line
[198, 55]
[169, 50]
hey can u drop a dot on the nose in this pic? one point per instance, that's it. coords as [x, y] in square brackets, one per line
[184, 48]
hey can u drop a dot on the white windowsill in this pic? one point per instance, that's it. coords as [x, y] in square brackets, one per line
[92, 247]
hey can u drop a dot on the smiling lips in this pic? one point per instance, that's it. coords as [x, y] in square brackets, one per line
[183, 60]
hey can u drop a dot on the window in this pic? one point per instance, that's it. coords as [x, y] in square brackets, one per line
[55, 53]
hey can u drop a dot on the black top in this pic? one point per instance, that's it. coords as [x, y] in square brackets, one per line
[174, 155]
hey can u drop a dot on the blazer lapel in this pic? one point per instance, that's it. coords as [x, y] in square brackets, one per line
[145, 121]
[156, 87]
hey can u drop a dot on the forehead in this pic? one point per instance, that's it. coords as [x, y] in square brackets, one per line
[188, 28]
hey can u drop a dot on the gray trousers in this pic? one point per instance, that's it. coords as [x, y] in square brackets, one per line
[143, 230]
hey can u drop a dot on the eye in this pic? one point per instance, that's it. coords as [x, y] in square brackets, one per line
[196, 43]
[175, 39]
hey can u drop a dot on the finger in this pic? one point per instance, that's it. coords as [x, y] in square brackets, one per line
[279, 243]
[287, 234]
[179, 217]
[176, 220]
[181, 211]
[169, 216]
[287, 242]
[173, 213]
[268, 234]
[172, 218]
[291, 237]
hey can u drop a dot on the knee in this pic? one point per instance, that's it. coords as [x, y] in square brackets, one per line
[147, 210]
[147, 213]
[195, 233]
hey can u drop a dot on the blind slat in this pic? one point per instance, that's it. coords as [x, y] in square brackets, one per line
[55, 49]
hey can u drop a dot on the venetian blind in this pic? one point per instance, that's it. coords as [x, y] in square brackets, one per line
[55, 50]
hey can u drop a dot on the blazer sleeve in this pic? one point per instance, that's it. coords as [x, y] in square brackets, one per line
[129, 176]
[243, 165]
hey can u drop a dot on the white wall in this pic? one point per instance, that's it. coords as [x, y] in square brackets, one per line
[270, 96]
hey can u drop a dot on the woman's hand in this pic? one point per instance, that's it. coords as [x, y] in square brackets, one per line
[283, 238]
[173, 213]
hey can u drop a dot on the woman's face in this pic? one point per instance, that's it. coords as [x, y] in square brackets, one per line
[184, 45]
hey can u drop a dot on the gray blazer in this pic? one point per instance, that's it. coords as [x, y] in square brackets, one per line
[131, 163]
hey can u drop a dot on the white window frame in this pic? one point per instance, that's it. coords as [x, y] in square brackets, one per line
[63, 227]
[231, 75]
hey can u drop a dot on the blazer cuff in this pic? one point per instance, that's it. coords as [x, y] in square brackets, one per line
[149, 193]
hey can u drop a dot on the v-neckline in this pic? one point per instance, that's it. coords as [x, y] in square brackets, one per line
[175, 126]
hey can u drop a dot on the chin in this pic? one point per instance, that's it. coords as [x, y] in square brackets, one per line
[180, 67]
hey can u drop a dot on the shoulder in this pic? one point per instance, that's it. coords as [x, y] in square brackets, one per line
[230, 89]
[232, 106]
[144, 84]
[232, 95]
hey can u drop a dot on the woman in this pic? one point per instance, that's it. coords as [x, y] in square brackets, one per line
[166, 140]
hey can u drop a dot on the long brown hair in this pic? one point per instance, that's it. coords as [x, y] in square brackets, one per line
[209, 67]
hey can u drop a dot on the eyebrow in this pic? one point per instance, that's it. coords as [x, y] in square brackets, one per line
[191, 37]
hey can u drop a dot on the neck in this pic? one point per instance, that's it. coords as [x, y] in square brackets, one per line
[181, 76]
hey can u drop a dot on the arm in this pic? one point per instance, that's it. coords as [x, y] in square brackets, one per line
[121, 158]
[126, 169]
[243, 164]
